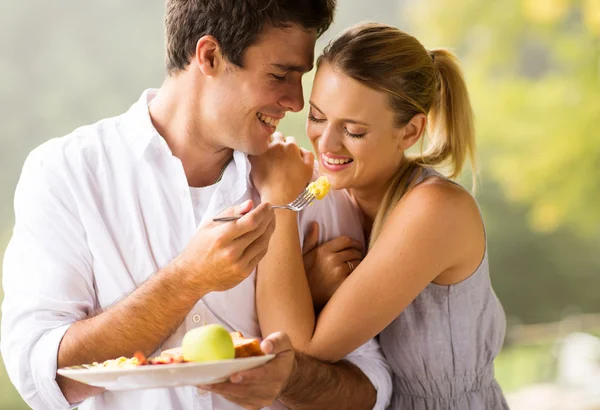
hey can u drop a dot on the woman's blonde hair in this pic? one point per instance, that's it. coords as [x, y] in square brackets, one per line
[417, 81]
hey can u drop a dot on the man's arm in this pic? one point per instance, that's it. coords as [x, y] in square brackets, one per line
[302, 382]
[317, 385]
[140, 322]
[49, 287]
[145, 319]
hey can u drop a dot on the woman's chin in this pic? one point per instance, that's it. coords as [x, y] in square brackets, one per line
[334, 183]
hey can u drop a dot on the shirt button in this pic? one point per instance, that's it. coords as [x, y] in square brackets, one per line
[196, 318]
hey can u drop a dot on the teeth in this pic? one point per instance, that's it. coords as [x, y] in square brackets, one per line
[336, 161]
[268, 120]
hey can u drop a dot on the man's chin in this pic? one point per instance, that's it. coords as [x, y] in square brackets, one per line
[257, 149]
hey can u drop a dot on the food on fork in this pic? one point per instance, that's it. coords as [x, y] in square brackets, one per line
[319, 188]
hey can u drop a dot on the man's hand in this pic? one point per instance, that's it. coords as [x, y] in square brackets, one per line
[328, 265]
[281, 173]
[223, 254]
[261, 386]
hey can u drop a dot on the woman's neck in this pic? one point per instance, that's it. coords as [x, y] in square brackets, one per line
[368, 202]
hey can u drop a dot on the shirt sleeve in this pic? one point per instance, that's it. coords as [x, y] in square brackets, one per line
[47, 281]
[370, 360]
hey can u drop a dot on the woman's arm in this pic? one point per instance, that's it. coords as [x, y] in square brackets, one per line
[434, 232]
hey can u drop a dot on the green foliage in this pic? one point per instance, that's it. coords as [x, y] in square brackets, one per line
[533, 68]
[519, 366]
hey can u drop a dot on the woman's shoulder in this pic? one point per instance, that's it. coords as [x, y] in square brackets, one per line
[439, 204]
[438, 193]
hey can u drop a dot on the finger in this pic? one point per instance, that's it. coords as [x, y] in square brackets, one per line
[311, 240]
[348, 254]
[259, 375]
[308, 157]
[241, 209]
[277, 136]
[309, 260]
[243, 396]
[341, 243]
[251, 243]
[258, 249]
[235, 394]
[252, 376]
[276, 343]
[251, 225]
[355, 263]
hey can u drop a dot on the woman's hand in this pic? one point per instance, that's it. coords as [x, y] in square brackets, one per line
[329, 264]
[282, 173]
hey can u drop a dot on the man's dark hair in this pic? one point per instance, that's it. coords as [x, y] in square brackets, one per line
[235, 24]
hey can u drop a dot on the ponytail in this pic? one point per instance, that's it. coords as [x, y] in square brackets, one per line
[450, 118]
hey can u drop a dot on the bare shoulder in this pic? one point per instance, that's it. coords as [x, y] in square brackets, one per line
[445, 212]
[446, 217]
[438, 198]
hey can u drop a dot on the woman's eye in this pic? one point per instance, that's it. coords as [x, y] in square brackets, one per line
[353, 135]
[312, 118]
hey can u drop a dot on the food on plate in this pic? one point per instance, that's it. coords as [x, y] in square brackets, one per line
[118, 363]
[207, 343]
[246, 347]
[162, 359]
[204, 344]
[319, 188]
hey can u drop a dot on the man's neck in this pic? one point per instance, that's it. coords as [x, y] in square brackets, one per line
[174, 115]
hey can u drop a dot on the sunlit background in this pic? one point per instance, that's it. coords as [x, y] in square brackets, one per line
[533, 68]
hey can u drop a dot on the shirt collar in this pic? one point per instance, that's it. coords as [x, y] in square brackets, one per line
[137, 126]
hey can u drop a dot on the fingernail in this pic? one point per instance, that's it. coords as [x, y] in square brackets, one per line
[236, 378]
[203, 386]
[268, 347]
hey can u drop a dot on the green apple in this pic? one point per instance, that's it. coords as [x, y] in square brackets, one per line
[207, 343]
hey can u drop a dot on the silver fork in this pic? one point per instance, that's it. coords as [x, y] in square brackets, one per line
[302, 201]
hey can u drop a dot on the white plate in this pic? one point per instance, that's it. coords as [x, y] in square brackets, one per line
[162, 375]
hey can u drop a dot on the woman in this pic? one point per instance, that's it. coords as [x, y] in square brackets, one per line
[424, 284]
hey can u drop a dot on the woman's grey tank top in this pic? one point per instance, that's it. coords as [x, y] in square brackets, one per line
[442, 346]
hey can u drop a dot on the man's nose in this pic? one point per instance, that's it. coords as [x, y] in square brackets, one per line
[293, 99]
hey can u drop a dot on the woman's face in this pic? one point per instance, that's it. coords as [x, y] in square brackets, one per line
[352, 131]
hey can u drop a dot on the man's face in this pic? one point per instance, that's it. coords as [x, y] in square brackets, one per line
[246, 104]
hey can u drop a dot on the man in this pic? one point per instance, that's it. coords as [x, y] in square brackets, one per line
[114, 248]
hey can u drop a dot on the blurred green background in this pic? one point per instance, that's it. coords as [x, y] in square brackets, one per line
[533, 68]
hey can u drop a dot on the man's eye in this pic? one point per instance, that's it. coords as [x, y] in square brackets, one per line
[278, 77]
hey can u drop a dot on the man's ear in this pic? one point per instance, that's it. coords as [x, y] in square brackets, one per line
[208, 55]
[413, 131]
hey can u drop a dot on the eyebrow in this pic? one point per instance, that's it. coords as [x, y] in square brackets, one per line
[346, 120]
[293, 68]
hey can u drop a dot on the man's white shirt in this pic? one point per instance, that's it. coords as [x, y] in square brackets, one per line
[96, 214]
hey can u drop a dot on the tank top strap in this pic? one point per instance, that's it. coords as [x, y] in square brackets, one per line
[426, 172]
